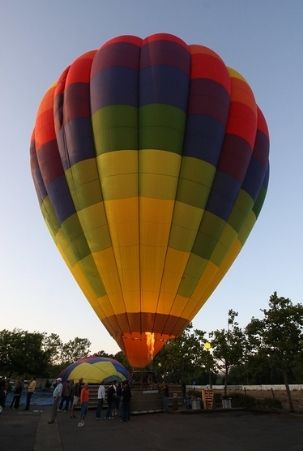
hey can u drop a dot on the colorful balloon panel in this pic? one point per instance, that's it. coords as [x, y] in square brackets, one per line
[94, 370]
[150, 161]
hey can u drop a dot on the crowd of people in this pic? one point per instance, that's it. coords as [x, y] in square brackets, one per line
[30, 387]
[67, 396]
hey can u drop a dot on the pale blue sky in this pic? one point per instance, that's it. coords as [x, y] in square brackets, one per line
[262, 39]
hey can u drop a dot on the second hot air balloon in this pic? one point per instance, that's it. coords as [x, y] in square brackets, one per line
[150, 162]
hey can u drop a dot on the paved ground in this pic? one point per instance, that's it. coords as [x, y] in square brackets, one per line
[18, 430]
[230, 431]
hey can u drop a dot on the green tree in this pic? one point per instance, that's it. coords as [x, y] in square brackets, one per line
[228, 346]
[102, 353]
[53, 345]
[279, 336]
[121, 357]
[74, 350]
[183, 359]
[22, 353]
[5, 351]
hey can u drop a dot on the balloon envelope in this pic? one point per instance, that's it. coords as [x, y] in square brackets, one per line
[150, 161]
[94, 370]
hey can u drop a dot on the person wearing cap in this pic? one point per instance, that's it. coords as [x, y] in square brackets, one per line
[57, 393]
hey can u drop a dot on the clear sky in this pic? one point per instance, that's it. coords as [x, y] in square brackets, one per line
[262, 39]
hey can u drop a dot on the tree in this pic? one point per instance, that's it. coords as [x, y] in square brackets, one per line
[74, 350]
[183, 359]
[21, 353]
[279, 336]
[52, 344]
[102, 353]
[121, 357]
[228, 346]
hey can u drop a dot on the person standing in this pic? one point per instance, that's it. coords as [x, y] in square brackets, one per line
[2, 394]
[30, 391]
[111, 395]
[165, 397]
[17, 395]
[101, 398]
[71, 396]
[84, 397]
[126, 397]
[57, 393]
[77, 391]
[118, 398]
[65, 399]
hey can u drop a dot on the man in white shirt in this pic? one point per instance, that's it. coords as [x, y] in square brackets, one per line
[57, 393]
[101, 398]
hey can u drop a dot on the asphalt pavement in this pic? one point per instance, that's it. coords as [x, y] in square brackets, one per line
[230, 431]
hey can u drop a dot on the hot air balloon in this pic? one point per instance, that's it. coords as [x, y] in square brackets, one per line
[93, 370]
[150, 162]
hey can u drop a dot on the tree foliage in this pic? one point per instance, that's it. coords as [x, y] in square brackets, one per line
[278, 336]
[228, 346]
[36, 353]
[74, 350]
[184, 360]
[52, 344]
[21, 352]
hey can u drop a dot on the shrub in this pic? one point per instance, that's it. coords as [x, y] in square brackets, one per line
[244, 401]
[269, 404]
[249, 402]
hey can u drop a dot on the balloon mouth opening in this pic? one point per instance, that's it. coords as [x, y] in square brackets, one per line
[142, 347]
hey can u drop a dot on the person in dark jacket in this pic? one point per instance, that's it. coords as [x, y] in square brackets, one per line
[17, 395]
[126, 397]
[165, 397]
[111, 396]
[76, 396]
[65, 399]
[2, 394]
[118, 398]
